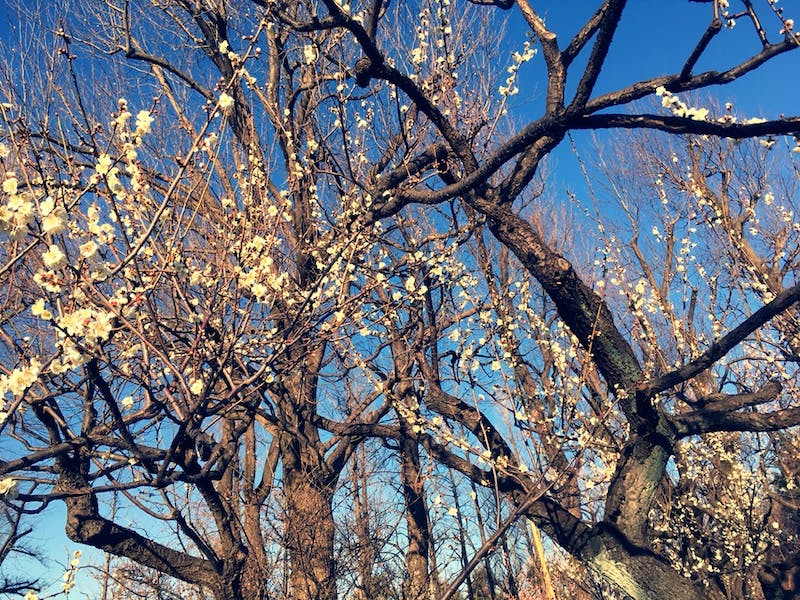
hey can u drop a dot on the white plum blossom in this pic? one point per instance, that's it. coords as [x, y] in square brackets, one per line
[310, 54]
[143, 122]
[38, 309]
[104, 163]
[20, 379]
[8, 489]
[196, 387]
[225, 101]
[54, 257]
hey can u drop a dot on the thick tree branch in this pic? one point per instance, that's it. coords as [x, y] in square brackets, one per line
[713, 29]
[721, 346]
[583, 36]
[597, 59]
[676, 83]
[699, 422]
[86, 525]
[556, 70]
[685, 125]
[732, 402]
[584, 312]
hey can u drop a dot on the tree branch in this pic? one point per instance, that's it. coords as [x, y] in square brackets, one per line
[685, 125]
[699, 422]
[85, 525]
[597, 59]
[721, 346]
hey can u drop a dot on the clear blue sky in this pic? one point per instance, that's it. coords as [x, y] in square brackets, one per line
[654, 39]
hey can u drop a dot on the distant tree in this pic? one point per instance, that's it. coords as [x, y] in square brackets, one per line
[13, 544]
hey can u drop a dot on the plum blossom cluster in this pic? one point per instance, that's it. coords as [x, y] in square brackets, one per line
[17, 212]
[259, 274]
[731, 516]
[420, 53]
[8, 488]
[678, 107]
[19, 380]
[67, 582]
[518, 59]
[68, 238]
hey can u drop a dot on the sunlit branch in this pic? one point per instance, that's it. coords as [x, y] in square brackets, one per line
[721, 346]
[686, 125]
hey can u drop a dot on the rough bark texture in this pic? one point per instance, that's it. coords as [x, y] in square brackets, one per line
[417, 523]
[310, 532]
[633, 569]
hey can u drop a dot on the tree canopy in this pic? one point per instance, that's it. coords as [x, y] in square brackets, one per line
[289, 279]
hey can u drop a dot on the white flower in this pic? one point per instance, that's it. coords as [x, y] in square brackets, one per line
[10, 183]
[225, 101]
[310, 54]
[104, 163]
[196, 387]
[8, 489]
[698, 114]
[94, 326]
[39, 310]
[54, 221]
[122, 118]
[100, 328]
[54, 257]
[89, 249]
[48, 280]
[143, 122]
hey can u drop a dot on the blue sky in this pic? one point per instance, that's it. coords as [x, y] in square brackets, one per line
[654, 39]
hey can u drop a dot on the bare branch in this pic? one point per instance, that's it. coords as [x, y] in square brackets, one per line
[721, 346]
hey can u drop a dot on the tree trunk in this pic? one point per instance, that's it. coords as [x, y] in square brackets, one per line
[417, 522]
[640, 574]
[365, 561]
[309, 535]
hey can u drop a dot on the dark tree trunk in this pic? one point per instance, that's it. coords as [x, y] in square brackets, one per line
[417, 522]
[309, 535]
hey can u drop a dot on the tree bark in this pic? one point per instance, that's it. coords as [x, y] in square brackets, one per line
[309, 535]
[637, 571]
[417, 523]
